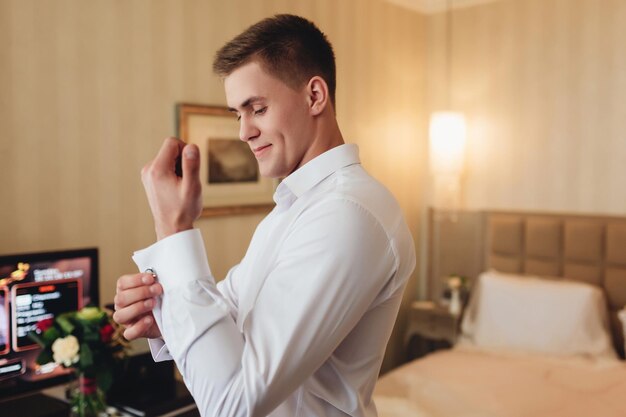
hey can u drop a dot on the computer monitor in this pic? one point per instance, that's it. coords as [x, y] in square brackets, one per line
[34, 287]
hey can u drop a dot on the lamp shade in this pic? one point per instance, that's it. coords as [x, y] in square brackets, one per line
[447, 143]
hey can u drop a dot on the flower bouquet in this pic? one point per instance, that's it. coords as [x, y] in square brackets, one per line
[89, 342]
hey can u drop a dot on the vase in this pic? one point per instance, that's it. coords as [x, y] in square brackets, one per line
[87, 399]
[455, 302]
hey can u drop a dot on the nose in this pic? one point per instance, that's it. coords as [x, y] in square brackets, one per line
[247, 129]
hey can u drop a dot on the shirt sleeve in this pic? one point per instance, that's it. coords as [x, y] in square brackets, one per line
[159, 351]
[334, 262]
[228, 287]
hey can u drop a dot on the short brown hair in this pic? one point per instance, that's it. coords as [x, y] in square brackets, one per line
[288, 47]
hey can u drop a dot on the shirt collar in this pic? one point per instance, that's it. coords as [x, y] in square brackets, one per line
[314, 171]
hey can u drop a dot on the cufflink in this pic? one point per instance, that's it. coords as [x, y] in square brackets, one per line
[151, 272]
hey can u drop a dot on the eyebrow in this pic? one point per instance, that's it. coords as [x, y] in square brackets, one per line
[247, 103]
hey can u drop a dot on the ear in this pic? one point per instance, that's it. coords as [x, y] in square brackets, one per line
[317, 94]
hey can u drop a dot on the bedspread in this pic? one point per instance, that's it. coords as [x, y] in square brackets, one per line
[463, 382]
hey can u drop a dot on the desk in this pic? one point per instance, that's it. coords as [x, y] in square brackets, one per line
[37, 405]
[52, 403]
[146, 389]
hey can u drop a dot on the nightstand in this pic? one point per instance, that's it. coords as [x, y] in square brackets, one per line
[431, 327]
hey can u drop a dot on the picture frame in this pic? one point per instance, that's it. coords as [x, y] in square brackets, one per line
[231, 182]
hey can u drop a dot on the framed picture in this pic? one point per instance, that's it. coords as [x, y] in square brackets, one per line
[231, 183]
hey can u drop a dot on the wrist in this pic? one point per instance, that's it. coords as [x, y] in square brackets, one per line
[165, 231]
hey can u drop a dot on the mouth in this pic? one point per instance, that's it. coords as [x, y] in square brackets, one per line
[258, 152]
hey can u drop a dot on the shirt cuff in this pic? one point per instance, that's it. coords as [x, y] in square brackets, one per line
[176, 260]
[159, 350]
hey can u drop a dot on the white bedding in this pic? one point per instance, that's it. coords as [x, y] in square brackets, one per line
[530, 348]
[464, 382]
[530, 314]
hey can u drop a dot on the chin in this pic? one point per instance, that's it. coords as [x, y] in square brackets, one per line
[267, 173]
[271, 172]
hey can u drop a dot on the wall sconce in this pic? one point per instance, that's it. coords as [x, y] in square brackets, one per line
[447, 134]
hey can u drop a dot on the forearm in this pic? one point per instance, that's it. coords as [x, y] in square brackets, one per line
[207, 347]
[196, 323]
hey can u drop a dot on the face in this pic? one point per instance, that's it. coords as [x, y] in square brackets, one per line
[274, 119]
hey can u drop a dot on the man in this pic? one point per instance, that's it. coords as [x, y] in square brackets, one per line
[299, 327]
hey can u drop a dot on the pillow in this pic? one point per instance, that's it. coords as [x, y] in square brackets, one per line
[525, 313]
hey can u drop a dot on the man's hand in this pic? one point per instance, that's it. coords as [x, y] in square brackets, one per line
[175, 202]
[135, 297]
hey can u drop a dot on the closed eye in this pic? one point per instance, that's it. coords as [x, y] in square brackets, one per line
[260, 111]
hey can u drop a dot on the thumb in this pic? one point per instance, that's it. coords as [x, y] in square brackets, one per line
[191, 163]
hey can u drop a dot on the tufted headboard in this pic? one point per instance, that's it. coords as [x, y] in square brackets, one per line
[584, 248]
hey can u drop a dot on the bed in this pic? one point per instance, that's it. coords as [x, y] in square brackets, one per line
[541, 335]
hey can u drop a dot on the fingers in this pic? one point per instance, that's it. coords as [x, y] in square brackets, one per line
[175, 202]
[133, 312]
[141, 328]
[124, 298]
[191, 161]
[191, 168]
[134, 280]
[134, 300]
[135, 297]
[165, 160]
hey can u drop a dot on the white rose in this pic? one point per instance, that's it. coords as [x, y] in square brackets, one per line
[65, 350]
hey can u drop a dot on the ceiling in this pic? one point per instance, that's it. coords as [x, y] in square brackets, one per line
[436, 6]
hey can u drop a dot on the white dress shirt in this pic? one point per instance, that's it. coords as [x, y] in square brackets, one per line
[299, 327]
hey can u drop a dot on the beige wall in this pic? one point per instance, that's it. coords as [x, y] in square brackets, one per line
[88, 92]
[543, 83]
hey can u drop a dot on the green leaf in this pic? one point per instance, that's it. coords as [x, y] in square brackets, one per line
[37, 339]
[50, 335]
[91, 334]
[104, 378]
[65, 324]
[86, 356]
[44, 357]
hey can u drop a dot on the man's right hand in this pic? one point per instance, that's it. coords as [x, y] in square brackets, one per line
[135, 298]
[175, 202]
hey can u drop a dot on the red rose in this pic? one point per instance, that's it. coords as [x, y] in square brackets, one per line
[106, 333]
[44, 325]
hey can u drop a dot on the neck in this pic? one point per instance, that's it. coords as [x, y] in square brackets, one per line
[326, 135]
